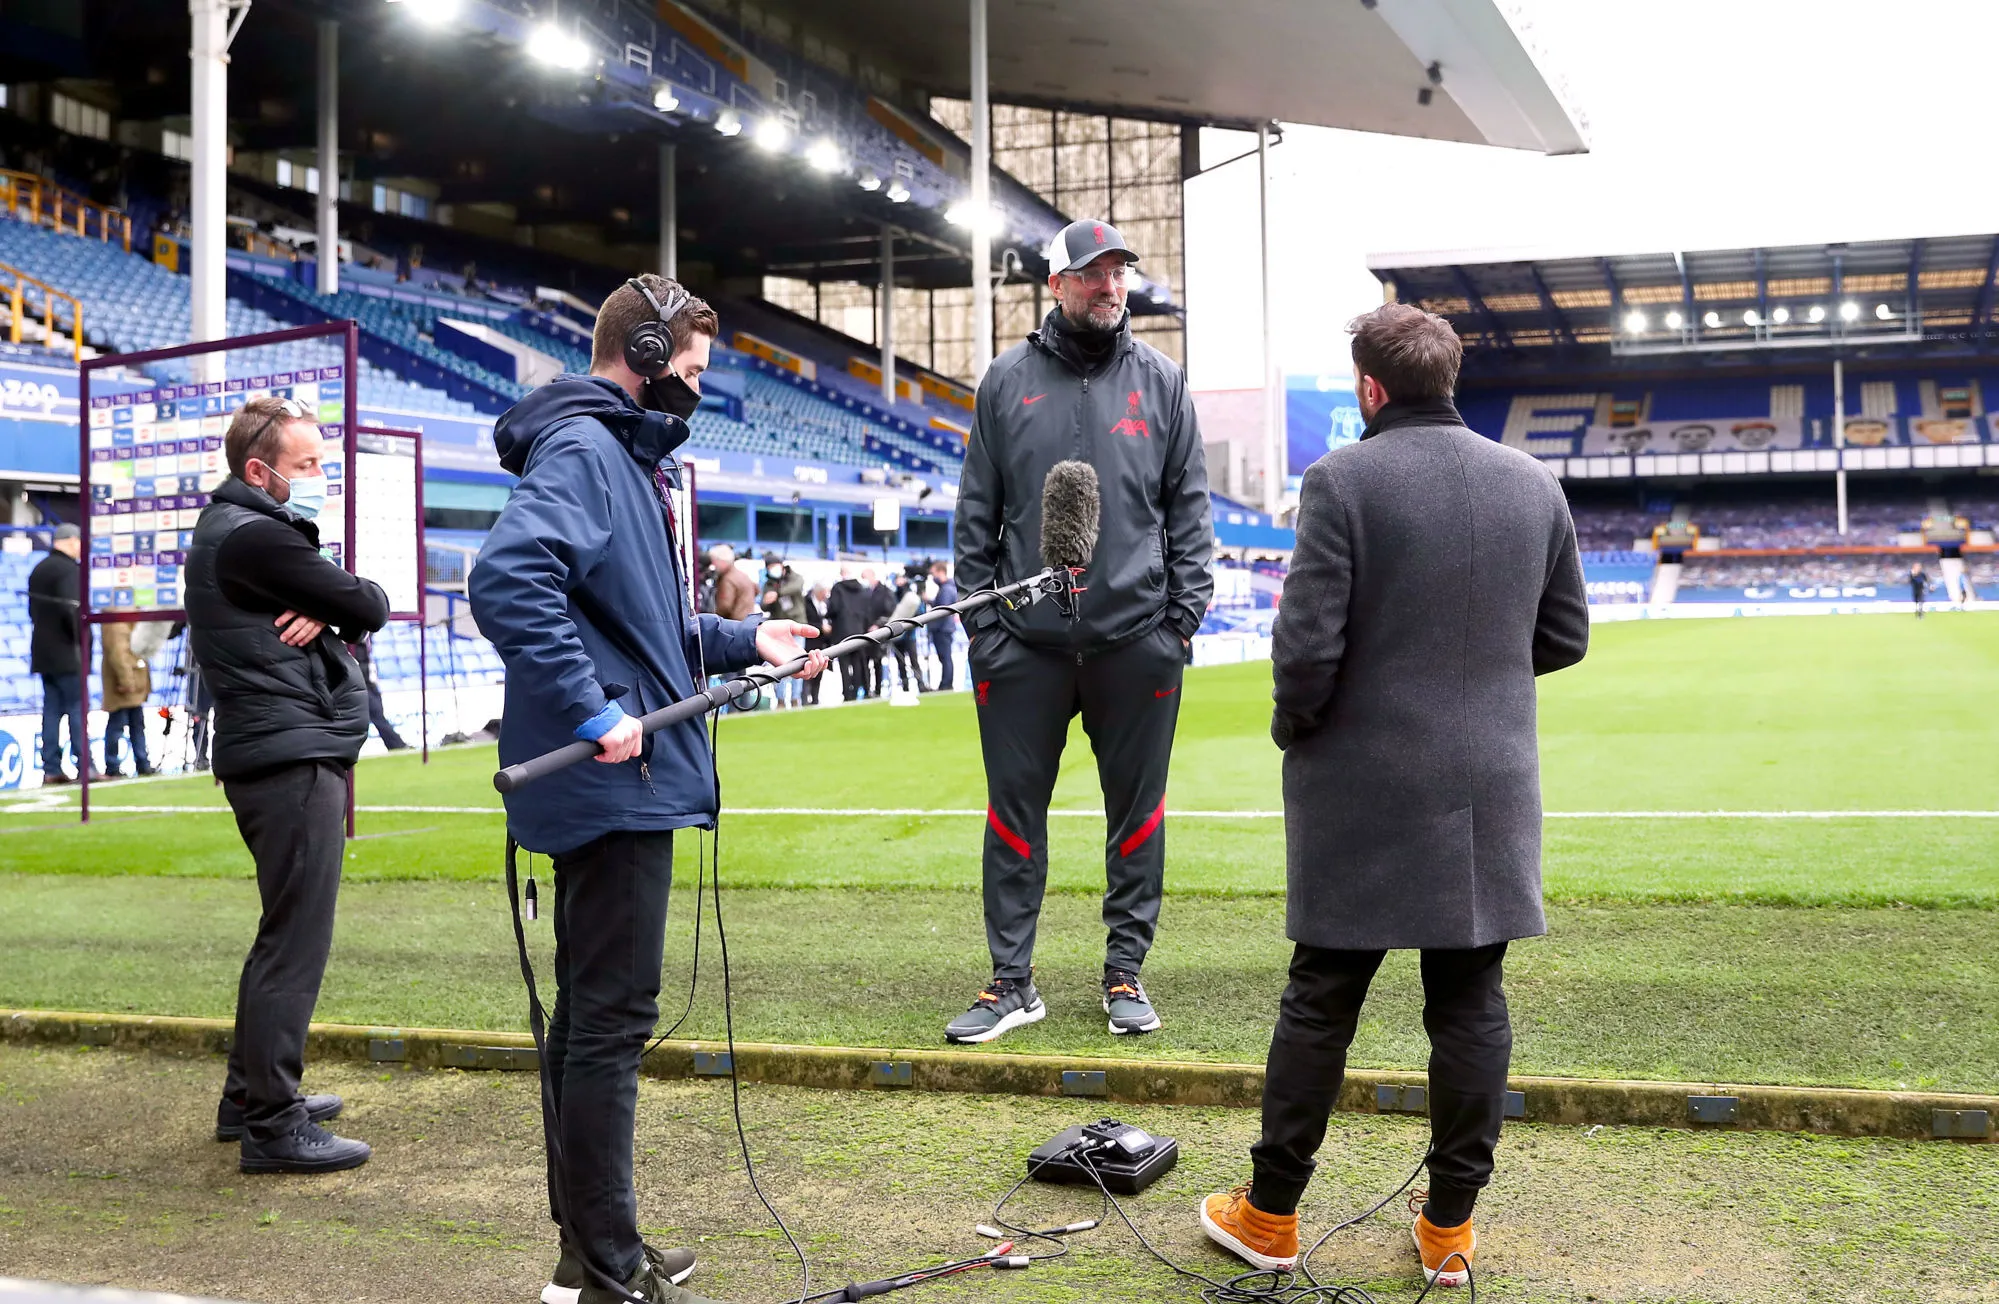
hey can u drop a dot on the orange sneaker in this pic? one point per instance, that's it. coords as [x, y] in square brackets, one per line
[1265, 1240]
[1447, 1251]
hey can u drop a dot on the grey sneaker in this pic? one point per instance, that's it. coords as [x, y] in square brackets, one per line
[1126, 1002]
[566, 1285]
[1003, 1006]
[649, 1283]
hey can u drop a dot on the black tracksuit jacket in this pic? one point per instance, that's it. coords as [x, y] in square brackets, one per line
[1130, 416]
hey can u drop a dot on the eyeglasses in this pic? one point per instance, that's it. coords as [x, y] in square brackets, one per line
[1091, 277]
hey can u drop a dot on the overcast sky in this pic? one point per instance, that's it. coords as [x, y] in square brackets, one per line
[1713, 123]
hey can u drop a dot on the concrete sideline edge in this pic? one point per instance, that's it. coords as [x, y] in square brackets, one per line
[1834, 1111]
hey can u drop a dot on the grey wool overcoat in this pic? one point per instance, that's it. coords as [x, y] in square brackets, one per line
[1435, 576]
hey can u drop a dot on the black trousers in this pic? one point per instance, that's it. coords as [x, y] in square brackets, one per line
[379, 718]
[1471, 1045]
[1129, 698]
[294, 821]
[909, 663]
[940, 643]
[860, 670]
[610, 927]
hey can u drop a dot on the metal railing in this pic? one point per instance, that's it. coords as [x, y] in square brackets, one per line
[17, 296]
[61, 210]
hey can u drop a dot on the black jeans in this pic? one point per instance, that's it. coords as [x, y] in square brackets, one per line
[62, 699]
[941, 639]
[610, 927]
[1471, 1045]
[294, 821]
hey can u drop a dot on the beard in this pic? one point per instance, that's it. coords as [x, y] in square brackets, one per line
[1096, 315]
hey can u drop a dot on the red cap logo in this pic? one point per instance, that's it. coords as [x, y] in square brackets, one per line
[1100, 232]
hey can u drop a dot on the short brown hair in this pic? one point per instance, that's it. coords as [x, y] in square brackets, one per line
[1411, 353]
[626, 308]
[258, 428]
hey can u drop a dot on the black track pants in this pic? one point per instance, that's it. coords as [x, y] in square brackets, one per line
[1129, 699]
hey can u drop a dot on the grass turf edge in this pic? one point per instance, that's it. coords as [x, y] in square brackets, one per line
[1837, 1111]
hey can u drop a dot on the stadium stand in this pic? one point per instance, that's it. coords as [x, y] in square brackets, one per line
[132, 304]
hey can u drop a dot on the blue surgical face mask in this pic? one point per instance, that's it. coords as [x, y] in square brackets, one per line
[308, 495]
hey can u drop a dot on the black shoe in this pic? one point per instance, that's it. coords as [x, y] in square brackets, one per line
[566, 1285]
[1125, 1001]
[56, 780]
[307, 1148]
[107, 776]
[147, 771]
[648, 1282]
[229, 1115]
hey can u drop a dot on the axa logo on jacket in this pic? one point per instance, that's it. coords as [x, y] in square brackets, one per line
[1133, 426]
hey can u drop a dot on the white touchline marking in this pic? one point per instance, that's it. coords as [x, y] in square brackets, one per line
[44, 807]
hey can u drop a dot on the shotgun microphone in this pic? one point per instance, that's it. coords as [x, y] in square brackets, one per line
[1070, 508]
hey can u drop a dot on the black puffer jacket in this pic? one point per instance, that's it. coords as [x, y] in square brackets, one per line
[1130, 416]
[275, 705]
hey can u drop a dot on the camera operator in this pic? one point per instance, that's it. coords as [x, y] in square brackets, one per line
[784, 599]
[580, 587]
[943, 631]
[267, 616]
[908, 650]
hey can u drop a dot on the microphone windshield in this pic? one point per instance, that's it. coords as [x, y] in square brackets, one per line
[1069, 509]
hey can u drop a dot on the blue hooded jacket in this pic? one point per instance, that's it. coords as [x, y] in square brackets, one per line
[581, 590]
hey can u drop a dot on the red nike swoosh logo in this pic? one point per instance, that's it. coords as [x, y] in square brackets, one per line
[1167, 692]
[1035, 399]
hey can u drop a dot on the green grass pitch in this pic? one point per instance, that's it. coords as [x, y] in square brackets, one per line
[1693, 935]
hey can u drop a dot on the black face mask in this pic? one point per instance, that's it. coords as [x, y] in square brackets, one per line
[671, 395]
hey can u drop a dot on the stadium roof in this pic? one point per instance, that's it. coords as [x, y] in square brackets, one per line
[473, 104]
[1531, 310]
[1328, 63]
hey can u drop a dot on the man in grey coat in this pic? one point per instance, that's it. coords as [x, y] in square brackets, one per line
[1435, 576]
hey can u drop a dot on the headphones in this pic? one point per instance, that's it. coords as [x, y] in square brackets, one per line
[649, 347]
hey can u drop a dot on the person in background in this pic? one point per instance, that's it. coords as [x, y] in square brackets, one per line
[269, 618]
[846, 616]
[378, 718]
[784, 599]
[877, 605]
[908, 656]
[735, 591]
[1919, 587]
[128, 682]
[1411, 774]
[944, 632]
[815, 616]
[54, 590]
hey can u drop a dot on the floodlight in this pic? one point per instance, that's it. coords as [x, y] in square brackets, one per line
[1749, 318]
[1849, 311]
[435, 13]
[729, 122]
[870, 181]
[1712, 320]
[772, 134]
[898, 193]
[961, 214]
[1816, 315]
[1881, 311]
[1780, 314]
[1635, 322]
[1674, 321]
[557, 48]
[665, 100]
[824, 155]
